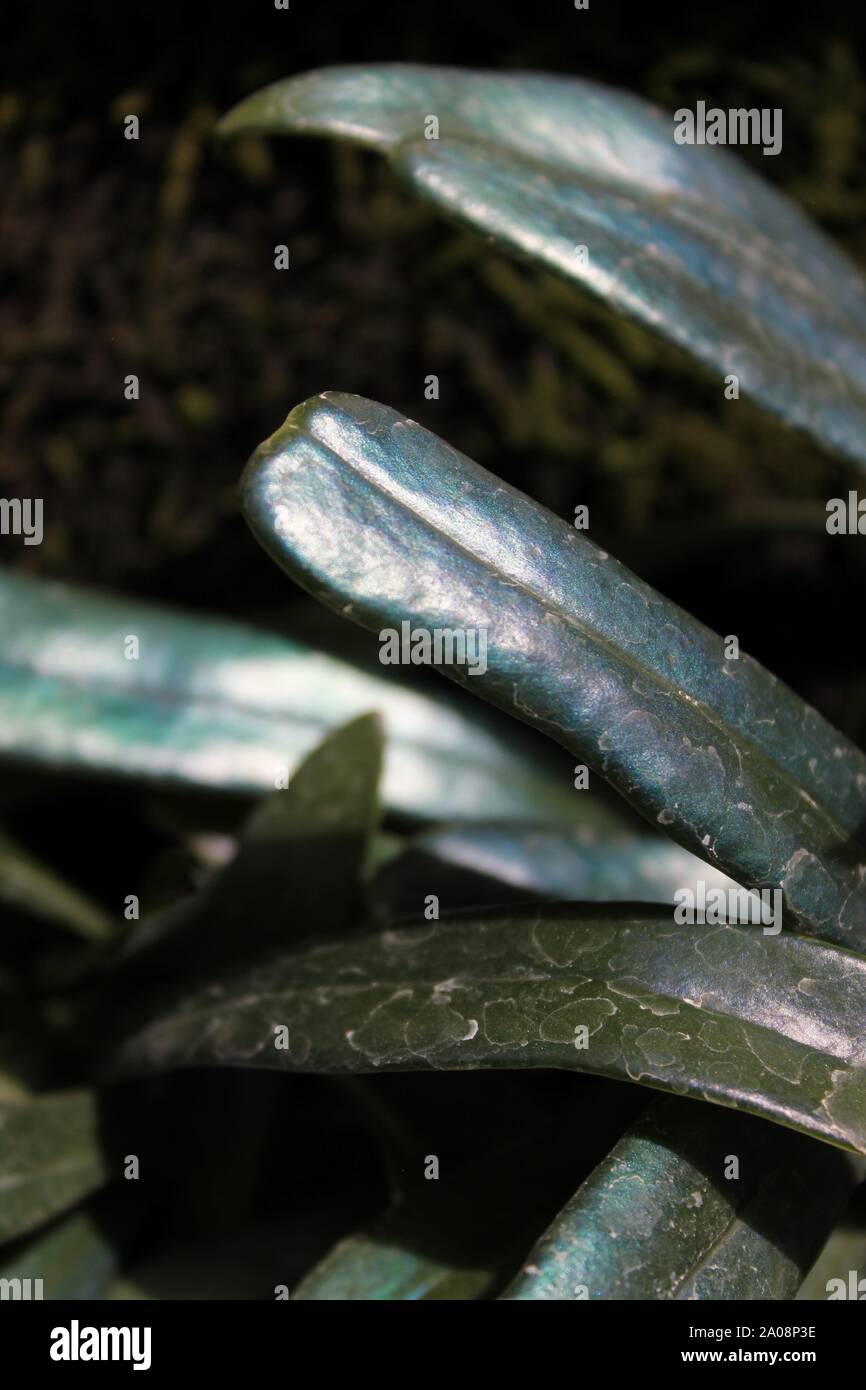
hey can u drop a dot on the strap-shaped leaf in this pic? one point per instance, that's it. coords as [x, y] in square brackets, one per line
[214, 704]
[591, 183]
[772, 1025]
[472, 865]
[384, 522]
[668, 1216]
[50, 1157]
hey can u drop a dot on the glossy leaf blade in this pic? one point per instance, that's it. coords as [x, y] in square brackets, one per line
[663, 1218]
[215, 705]
[590, 182]
[384, 522]
[771, 1025]
[50, 1157]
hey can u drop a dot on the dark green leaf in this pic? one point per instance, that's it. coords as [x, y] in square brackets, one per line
[213, 704]
[74, 1259]
[50, 1157]
[714, 750]
[769, 1024]
[663, 1217]
[590, 182]
[298, 864]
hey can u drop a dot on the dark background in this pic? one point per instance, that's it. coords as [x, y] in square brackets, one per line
[156, 257]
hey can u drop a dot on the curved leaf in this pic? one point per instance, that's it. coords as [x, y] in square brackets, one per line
[664, 1218]
[771, 1025]
[590, 182]
[50, 1157]
[382, 521]
[214, 704]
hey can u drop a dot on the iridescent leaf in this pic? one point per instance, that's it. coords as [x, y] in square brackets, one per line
[215, 705]
[591, 183]
[705, 744]
[668, 1216]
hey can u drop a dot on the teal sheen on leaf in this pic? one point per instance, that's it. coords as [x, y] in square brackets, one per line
[590, 183]
[714, 751]
[467, 865]
[217, 706]
[666, 1215]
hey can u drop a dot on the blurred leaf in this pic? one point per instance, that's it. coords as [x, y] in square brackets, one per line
[28, 883]
[844, 1253]
[50, 1157]
[377, 1265]
[663, 1218]
[74, 1259]
[714, 750]
[589, 182]
[213, 704]
[769, 1024]
[299, 863]
[473, 865]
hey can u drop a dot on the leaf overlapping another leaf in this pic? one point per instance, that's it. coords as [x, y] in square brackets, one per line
[384, 522]
[218, 706]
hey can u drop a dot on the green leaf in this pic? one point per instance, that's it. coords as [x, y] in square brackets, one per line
[663, 1217]
[26, 882]
[50, 1157]
[376, 1265]
[769, 1024]
[299, 861]
[591, 183]
[472, 865]
[74, 1259]
[445, 1237]
[215, 705]
[843, 1255]
[714, 750]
